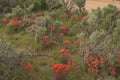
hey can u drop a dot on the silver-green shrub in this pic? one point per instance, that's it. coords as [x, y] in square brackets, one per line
[99, 19]
[9, 60]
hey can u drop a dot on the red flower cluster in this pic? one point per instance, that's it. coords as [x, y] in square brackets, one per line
[15, 21]
[64, 28]
[82, 15]
[5, 21]
[66, 42]
[28, 66]
[61, 34]
[93, 63]
[45, 41]
[45, 37]
[113, 71]
[64, 51]
[58, 68]
[78, 41]
[72, 64]
[75, 17]
[52, 28]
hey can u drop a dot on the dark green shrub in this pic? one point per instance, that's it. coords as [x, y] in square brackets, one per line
[80, 3]
[38, 4]
[7, 5]
[53, 4]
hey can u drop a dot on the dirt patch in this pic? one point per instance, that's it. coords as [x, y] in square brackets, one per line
[93, 4]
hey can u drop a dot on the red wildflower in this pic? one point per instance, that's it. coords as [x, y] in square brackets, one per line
[5, 20]
[61, 34]
[75, 17]
[64, 28]
[57, 68]
[28, 66]
[78, 41]
[45, 37]
[64, 51]
[82, 15]
[94, 62]
[113, 71]
[52, 28]
[61, 50]
[66, 41]
[15, 21]
[72, 64]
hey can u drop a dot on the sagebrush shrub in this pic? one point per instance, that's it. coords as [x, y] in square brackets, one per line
[9, 60]
[100, 31]
[105, 18]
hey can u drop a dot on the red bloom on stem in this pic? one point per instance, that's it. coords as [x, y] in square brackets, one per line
[64, 51]
[28, 66]
[66, 41]
[61, 34]
[113, 71]
[15, 21]
[5, 21]
[75, 17]
[45, 37]
[72, 64]
[57, 68]
[52, 28]
[82, 15]
[94, 62]
[64, 28]
[78, 41]
[61, 50]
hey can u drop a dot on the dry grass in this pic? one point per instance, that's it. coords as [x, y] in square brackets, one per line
[93, 4]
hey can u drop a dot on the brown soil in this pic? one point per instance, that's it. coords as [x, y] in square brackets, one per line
[93, 4]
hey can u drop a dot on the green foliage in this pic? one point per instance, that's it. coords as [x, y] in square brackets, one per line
[7, 5]
[19, 11]
[110, 78]
[100, 31]
[16, 12]
[53, 4]
[105, 18]
[116, 32]
[38, 4]
[9, 60]
[11, 29]
[80, 3]
[40, 27]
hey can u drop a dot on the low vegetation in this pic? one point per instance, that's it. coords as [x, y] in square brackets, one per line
[42, 41]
